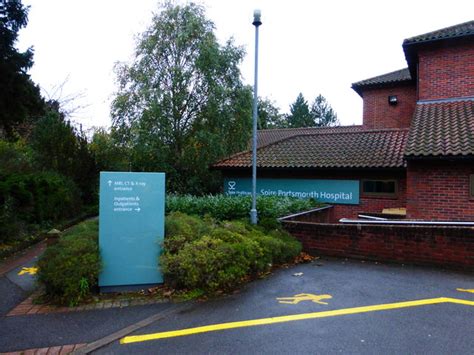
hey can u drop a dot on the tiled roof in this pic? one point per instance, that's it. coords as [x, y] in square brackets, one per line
[357, 149]
[457, 31]
[381, 80]
[410, 45]
[269, 136]
[442, 129]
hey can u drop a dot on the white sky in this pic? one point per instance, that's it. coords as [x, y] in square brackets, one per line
[305, 46]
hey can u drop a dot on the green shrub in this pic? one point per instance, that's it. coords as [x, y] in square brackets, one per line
[223, 207]
[211, 256]
[70, 269]
[29, 198]
[16, 157]
[181, 229]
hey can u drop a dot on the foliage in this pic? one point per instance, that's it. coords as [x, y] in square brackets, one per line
[299, 113]
[46, 169]
[20, 98]
[70, 269]
[107, 154]
[269, 115]
[322, 113]
[59, 147]
[213, 256]
[16, 157]
[181, 104]
[223, 207]
[35, 198]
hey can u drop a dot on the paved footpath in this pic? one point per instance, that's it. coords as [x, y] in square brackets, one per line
[26, 328]
[329, 306]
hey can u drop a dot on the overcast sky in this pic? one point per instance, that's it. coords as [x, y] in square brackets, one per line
[305, 46]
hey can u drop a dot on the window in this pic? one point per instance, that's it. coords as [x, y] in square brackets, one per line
[471, 186]
[380, 188]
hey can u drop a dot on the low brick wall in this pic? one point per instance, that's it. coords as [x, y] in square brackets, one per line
[432, 245]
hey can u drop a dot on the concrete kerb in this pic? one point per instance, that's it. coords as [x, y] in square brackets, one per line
[131, 328]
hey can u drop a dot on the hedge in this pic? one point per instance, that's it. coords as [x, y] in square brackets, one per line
[222, 207]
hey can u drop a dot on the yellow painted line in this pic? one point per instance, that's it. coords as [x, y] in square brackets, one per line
[290, 318]
[465, 290]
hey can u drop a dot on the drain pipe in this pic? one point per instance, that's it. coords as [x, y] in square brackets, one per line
[400, 222]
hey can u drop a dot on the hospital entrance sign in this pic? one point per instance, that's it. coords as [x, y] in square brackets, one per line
[131, 228]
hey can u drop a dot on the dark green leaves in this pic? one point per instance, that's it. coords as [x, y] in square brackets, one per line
[181, 104]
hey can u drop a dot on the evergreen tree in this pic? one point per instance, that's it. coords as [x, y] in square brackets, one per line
[20, 98]
[58, 146]
[299, 114]
[322, 113]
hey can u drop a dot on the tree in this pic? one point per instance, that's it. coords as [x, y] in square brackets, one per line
[108, 155]
[61, 148]
[322, 113]
[181, 104]
[20, 98]
[269, 115]
[299, 113]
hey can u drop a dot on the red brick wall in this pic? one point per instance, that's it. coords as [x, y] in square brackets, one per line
[377, 113]
[447, 246]
[439, 191]
[446, 72]
[367, 205]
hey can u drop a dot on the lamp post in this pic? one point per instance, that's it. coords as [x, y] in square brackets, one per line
[253, 212]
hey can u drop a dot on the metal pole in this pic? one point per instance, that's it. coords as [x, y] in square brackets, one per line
[253, 212]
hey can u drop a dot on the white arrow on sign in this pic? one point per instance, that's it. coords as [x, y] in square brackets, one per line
[137, 209]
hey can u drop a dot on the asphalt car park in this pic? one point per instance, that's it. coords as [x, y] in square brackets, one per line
[328, 306]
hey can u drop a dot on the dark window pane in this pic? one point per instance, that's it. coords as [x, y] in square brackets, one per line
[379, 186]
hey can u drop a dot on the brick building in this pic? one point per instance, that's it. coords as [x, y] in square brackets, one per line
[414, 151]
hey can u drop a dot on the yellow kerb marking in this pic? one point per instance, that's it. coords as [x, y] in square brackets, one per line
[304, 297]
[28, 270]
[465, 290]
[283, 319]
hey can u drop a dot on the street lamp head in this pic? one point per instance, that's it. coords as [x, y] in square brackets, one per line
[257, 14]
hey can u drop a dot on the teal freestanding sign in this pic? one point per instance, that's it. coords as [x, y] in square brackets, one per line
[332, 191]
[131, 228]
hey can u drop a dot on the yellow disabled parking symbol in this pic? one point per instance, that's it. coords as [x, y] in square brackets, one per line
[304, 297]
